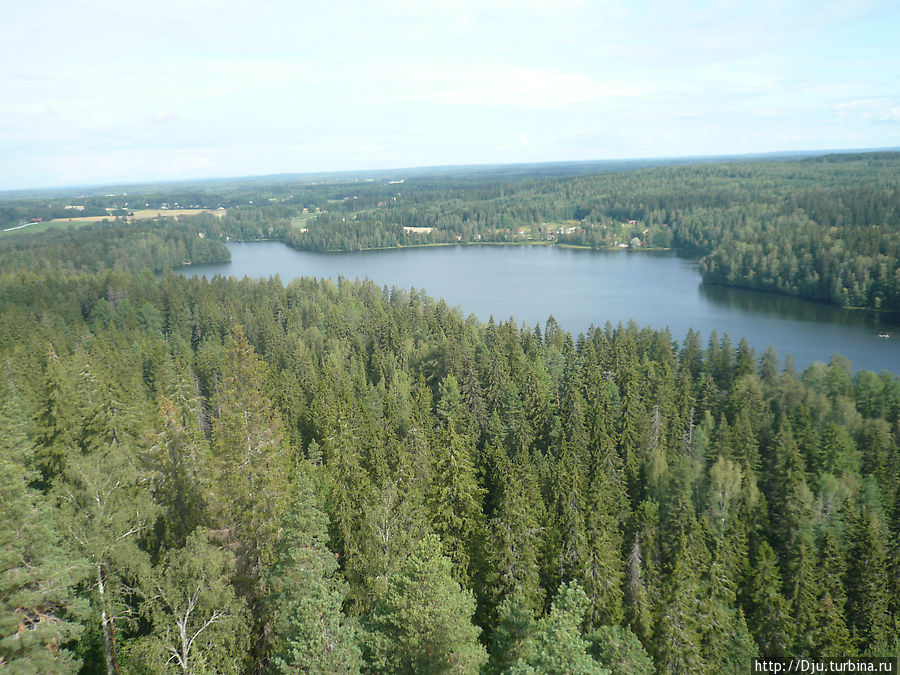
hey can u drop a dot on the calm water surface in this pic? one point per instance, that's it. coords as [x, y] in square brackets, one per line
[581, 288]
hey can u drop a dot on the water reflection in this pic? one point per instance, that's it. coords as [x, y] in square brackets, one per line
[581, 288]
[796, 309]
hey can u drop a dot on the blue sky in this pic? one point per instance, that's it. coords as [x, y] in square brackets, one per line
[102, 91]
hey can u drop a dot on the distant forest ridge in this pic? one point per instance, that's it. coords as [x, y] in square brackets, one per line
[562, 167]
[821, 227]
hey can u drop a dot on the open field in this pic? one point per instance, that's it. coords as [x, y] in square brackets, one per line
[79, 221]
[301, 220]
[167, 213]
[59, 224]
[140, 213]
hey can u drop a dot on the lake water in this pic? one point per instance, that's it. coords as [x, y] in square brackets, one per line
[581, 287]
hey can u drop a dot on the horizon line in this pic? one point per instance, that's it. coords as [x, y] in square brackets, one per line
[21, 193]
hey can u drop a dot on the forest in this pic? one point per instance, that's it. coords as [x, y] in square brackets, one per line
[822, 227]
[247, 477]
[232, 476]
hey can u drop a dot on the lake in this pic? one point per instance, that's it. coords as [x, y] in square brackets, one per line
[581, 288]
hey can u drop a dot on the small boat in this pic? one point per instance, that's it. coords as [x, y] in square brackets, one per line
[884, 335]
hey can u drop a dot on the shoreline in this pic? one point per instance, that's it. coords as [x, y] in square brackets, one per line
[656, 249]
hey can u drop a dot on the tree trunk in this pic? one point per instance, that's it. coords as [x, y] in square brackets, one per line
[109, 646]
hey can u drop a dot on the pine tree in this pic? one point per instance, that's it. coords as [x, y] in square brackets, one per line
[423, 622]
[513, 629]
[618, 650]
[40, 614]
[305, 592]
[557, 645]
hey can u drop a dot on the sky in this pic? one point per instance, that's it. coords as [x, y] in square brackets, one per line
[117, 91]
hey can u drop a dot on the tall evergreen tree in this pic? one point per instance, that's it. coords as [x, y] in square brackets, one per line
[455, 500]
[248, 461]
[803, 595]
[619, 651]
[516, 531]
[40, 614]
[769, 615]
[868, 589]
[57, 420]
[513, 629]
[832, 637]
[423, 622]
[557, 645]
[177, 455]
[305, 591]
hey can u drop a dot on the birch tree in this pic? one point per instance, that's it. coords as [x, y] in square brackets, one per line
[198, 623]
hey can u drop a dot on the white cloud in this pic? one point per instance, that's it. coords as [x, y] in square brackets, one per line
[218, 87]
[880, 109]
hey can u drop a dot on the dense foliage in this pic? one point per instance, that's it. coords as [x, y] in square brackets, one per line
[155, 245]
[821, 227]
[237, 476]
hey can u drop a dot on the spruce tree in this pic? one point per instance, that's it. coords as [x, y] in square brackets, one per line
[677, 645]
[305, 591]
[57, 420]
[832, 637]
[248, 460]
[455, 499]
[769, 615]
[803, 595]
[868, 587]
[176, 456]
[516, 533]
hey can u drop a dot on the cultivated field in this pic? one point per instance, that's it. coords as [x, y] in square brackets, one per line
[169, 213]
[138, 213]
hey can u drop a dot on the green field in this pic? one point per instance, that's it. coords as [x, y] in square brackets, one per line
[59, 224]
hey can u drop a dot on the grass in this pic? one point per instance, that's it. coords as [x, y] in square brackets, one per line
[80, 221]
[58, 224]
[302, 219]
[174, 213]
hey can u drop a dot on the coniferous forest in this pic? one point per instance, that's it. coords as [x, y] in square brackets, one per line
[818, 227]
[246, 477]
